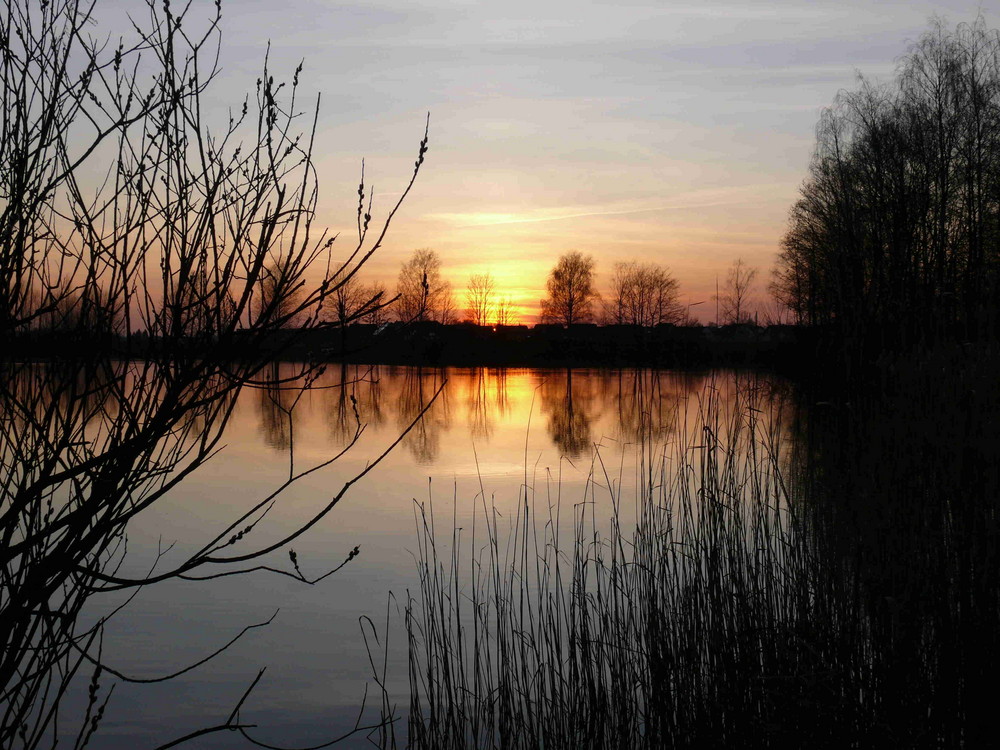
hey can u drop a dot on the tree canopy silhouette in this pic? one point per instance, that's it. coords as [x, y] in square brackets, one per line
[571, 290]
[422, 293]
[898, 224]
[481, 299]
[643, 294]
[735, 301]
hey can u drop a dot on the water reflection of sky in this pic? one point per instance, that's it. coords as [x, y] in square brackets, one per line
[576, 407]
[484, 433]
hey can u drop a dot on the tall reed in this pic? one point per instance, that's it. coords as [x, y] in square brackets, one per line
[756, 590]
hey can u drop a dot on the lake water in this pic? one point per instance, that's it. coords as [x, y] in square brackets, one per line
[485, 433]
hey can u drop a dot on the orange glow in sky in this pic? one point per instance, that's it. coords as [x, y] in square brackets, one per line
[676, 133]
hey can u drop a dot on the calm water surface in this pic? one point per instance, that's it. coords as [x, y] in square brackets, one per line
[488, 433]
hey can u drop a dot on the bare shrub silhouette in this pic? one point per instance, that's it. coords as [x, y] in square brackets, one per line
[192, 251]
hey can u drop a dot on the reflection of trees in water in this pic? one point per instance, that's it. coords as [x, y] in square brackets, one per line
[647, 402]
[62, 398]
[486, 399]
[751, 403]
[571, 404]
[501, 402]
[648, 405]
[352, 394]
[275, 402]
[417, 387]
[86, 447]
[354, 398]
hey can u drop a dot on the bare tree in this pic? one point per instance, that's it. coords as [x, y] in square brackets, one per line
[348, 303]
[276, 298]
[376, 311]
[422, 293]
[189, 251]
[775, 313]
[446, 308]
[480, 299]
[354, 301]
[735, 299]
[505, 312]
[643, 294]
[571, 290]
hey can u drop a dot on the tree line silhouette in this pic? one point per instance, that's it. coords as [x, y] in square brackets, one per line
[897, 230]
[639, 294]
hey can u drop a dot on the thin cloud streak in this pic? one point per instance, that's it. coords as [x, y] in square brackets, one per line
[491, 220]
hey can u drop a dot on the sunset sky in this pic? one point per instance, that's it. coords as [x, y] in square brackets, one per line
[676, 132]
